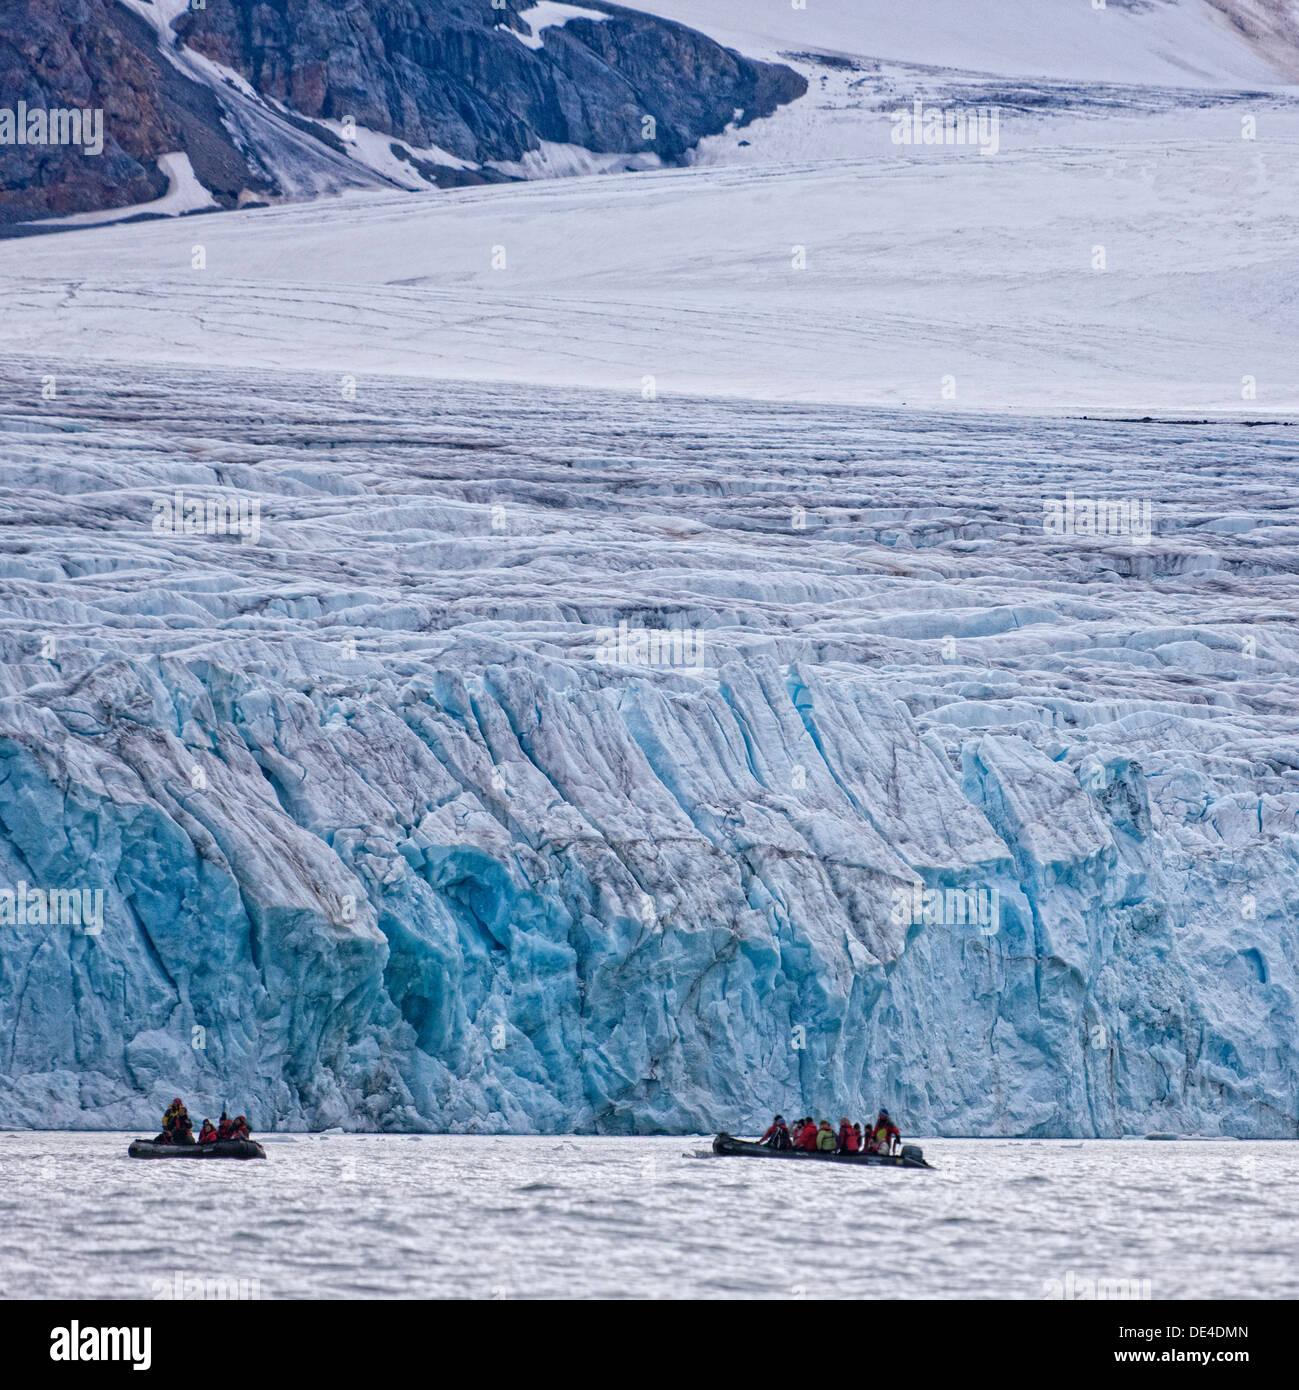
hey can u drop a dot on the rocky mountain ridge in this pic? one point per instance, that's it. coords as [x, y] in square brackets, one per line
[281, 99]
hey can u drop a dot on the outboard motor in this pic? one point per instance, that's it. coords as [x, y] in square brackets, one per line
[913, 1153]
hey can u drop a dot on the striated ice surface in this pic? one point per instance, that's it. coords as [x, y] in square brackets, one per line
[397, 828]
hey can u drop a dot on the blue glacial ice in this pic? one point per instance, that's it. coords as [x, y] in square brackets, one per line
[396, 831]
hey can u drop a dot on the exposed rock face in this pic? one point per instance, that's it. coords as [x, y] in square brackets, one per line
[96, 54]
[58, 53]
[456, 74]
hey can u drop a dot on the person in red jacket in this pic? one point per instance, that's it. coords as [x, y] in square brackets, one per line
[208, 1134]
[777, 1135]
[807, 1139]
[224, 1126]
[847, 1139]
[885, 1133]
[239, 1130]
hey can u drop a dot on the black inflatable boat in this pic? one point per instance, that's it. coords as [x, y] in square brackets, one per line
[911, 1157]
[222, 1148]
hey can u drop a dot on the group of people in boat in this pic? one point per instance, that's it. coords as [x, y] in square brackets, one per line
[882, 1137]
[178, 1129]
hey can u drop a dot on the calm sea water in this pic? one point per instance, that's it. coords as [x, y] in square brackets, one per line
[439, 1216]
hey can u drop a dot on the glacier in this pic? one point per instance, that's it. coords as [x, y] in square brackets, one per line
[558, 760]
[557, 657]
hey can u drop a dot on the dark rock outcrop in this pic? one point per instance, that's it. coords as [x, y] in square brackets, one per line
[96, 54]
[450, 73]
[455, 74]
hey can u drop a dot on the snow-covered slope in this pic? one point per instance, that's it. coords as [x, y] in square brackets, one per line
[1126, 246]
[184, 194]
[1173, 42]
[918, 266]
[394, 830]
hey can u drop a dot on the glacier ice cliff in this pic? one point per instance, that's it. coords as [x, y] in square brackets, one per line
[398, 826]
